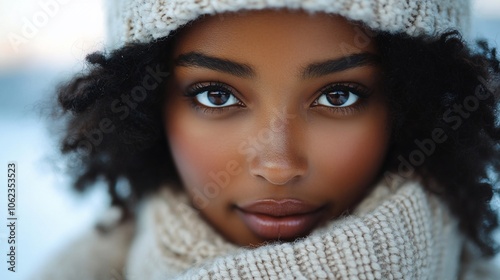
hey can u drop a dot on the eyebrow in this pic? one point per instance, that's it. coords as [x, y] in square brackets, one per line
[196, 59]
[340, 64]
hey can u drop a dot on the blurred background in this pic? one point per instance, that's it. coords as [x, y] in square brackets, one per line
[43, 42]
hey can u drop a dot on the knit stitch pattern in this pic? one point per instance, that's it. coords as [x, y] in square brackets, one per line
[410, 234]
[146, 20]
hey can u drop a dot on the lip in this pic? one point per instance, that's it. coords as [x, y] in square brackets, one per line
[283, 219]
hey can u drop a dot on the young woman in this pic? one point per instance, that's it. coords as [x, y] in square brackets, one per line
[287, 140]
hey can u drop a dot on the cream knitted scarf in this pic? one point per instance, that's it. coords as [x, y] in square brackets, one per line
[399, 231]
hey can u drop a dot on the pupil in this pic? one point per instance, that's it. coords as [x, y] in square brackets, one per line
[337, 98]
[218, 97]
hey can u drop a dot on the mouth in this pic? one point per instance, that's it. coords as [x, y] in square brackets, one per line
[285, 219]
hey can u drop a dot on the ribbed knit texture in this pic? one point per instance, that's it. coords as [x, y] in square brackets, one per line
[397, 232]
[146, 20]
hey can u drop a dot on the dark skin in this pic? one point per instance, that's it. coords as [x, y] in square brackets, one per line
[281, 105]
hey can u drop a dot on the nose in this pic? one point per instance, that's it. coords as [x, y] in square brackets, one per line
[281, 158]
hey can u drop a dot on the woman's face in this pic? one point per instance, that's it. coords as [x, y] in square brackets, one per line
[275, 120]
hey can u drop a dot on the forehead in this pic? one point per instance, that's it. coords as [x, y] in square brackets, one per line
[274, 36]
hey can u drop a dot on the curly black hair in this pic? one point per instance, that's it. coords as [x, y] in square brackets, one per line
[443, 98]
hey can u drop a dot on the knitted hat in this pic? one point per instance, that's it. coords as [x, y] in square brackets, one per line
[146, 20]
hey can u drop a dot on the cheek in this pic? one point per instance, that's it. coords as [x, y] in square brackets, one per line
[203, 160]
[348, 158]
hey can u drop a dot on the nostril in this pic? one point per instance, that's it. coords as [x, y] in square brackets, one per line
[282, 157]
[278, 174]
[278, 181]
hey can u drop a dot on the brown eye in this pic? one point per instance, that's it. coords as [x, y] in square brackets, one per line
[338, 96]
[216, 98]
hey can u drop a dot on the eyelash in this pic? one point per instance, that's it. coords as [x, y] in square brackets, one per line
[359, 90]
[199, 88]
